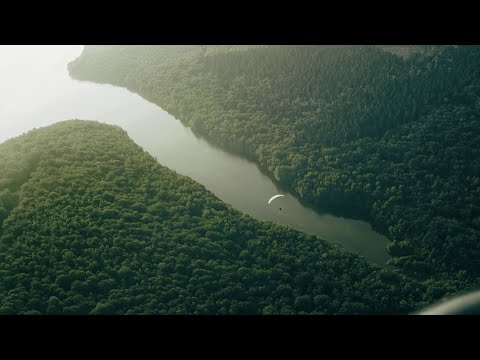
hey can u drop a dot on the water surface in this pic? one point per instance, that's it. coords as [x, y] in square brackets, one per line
[36, 90]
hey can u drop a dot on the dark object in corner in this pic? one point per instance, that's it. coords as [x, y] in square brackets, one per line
[466, 304]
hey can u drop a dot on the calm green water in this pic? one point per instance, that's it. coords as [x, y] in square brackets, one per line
[36, 91]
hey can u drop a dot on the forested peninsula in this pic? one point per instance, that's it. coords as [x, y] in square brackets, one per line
[388, 136]
[92, 224]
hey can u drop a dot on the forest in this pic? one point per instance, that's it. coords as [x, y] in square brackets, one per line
[355, 130]
[92, 224]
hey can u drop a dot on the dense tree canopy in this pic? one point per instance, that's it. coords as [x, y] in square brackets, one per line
[354, 129]
[92, 224]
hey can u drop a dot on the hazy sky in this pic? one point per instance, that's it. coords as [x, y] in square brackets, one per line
[29, 84]
[36, 90]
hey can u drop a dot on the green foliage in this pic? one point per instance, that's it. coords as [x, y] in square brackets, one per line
[99, 227]
[354, 129]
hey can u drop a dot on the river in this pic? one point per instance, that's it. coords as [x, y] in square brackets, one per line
[36, 90]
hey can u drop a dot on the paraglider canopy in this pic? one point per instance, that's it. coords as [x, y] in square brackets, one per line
[274, 197]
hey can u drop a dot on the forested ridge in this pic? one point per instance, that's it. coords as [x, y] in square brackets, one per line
[353, 129]
[92, 224]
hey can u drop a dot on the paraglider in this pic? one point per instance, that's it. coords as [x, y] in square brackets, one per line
[273, 198]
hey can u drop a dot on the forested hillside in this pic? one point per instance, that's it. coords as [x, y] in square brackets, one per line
[92, 224]
[352, 129]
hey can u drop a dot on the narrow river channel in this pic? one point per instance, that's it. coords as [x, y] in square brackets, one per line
[36, 91]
